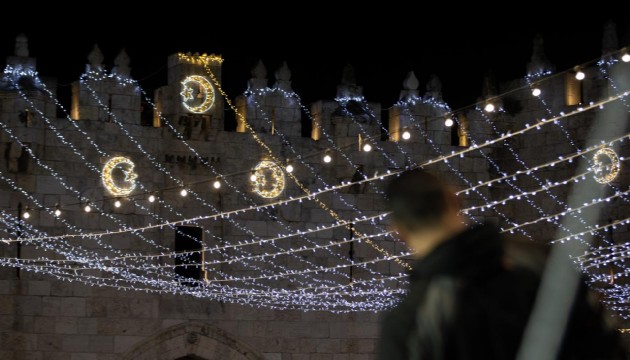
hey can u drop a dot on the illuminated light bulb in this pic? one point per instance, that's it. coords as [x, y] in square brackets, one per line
[536, 92]
[117, 203]
[26, 214]
[57, 212]
[87, 208]
[449, 122]
[489, 108]
[367, 147]
[406, 135]
[184, 192]
[580, 75]
[625, 57]
[327, 158]
[216, 184]
[151, 198]
[290, 168]
[253, 178]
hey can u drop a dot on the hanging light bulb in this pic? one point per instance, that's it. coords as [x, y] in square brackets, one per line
[26, 214]
[151, 198]
[448, 122]
[183, 192]
[216, 184]
[87, 208]
[253, 178]
[57, 212]
[290, 168]
[367, 147]
[536, 92]
[580, 75]
[117, 203]
[327, 158]
[489, 107]
[625, 57]
[406, 135]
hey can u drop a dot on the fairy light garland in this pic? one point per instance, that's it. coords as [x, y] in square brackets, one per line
[264, 294]
[291, 175]
[236, 224]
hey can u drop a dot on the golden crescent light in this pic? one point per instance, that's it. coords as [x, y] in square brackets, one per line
[606, 165]
[113, 181]
[268, 179]
[197, 94]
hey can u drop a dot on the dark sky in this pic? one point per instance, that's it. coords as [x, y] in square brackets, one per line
[317, 42]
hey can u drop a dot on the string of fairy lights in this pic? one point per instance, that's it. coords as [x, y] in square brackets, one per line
[258, 277]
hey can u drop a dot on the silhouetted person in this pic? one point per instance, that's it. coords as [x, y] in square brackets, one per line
[466, 301]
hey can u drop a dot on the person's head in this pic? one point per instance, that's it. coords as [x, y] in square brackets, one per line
[425, 211]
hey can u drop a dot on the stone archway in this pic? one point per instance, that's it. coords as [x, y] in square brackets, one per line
[192, 340]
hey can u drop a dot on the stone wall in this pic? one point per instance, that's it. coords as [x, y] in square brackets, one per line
[46, 318]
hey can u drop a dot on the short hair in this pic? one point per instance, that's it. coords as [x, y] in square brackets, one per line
[418, 199]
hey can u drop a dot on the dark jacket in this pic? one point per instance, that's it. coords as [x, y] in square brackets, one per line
[464, 302]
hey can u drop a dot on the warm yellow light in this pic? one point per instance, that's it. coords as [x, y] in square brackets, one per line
[199, 59]
[406, 135]
[327, 158]
[580, 75]
[489, 107]
[367, 147]
[119, 187]
[117, 203]
[253, 178]
[26, 214]
[183, 192]
[57, 212]
[216, 184]
[625, 57]
[269, 182]
[289, 168]
[536, 92]
[151, 198]
[87, 208]
[606, 165]
[197, 94]
[448, 122]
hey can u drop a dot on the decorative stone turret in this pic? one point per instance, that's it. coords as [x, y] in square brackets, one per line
[121, 64]
[259, 77]
[21, 45]
[610, 43]
[20, 58]
[283, 78]
[434, 89]
[348, 89]
[95, 59]
[410, 87]
[489, 85]
[539, 64]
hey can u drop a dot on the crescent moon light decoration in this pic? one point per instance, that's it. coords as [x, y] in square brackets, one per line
[118, 176]
[268, 179]
[197, 94]
[606, 165]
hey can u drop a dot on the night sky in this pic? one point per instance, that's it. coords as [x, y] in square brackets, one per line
[460, 48]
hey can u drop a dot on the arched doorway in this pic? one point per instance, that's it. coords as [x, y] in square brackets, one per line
[191, 341]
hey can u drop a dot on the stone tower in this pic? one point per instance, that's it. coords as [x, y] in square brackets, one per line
[191, 101]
